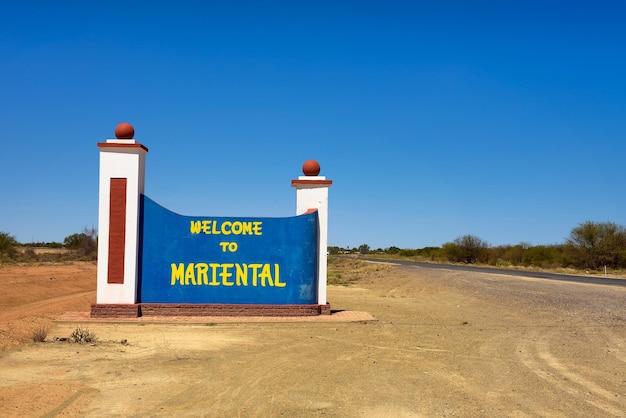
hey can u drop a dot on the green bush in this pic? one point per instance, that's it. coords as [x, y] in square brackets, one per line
[7, 245]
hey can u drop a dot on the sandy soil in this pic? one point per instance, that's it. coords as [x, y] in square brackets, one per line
[445, 343]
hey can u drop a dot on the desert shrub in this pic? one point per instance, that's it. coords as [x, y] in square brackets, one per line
[515, 254]
[29, 253]
[8, 245]
[430, 252]
[83, 336]
[7, 241]
[407, 252]
[495, 256]
[392, 250]
[539, 256]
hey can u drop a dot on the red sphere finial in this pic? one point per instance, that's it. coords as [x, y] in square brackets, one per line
[124, 131]
[311, 168]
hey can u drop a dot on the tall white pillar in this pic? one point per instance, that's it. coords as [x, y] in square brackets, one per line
[312, 193]
[122, 177]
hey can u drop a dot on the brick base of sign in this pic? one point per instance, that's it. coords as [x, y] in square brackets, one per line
[115, 310]
[182, 309]
[324, 309]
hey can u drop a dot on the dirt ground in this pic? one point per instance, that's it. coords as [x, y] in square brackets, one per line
[444, 343]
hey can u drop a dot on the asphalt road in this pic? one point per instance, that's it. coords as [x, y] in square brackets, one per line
[537, 275]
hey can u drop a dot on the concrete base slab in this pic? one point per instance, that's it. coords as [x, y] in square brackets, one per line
[335, 316]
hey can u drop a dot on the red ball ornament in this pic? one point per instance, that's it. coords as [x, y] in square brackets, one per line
[311, 168]
[124, 131]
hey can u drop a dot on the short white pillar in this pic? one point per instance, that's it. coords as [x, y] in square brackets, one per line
[312, 193]
[122, 177]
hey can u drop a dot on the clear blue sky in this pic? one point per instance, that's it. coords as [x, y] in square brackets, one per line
[434, 119]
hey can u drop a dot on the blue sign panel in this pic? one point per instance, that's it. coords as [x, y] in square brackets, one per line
[187, 259]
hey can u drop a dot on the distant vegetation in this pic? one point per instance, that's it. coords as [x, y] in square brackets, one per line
[590, 246]
[80, 246]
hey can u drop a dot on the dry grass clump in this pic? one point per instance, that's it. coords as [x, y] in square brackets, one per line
[40, 334]
[344, 271]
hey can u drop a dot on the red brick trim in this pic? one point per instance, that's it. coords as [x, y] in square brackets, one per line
[117, 230]
[118, 145]
[311, 182]
[115, 310]
[188, 309]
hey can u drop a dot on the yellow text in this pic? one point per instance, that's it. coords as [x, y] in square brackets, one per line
[226, 274]
[213, 227]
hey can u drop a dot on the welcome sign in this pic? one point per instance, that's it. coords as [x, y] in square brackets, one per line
[154, 262]
[186, 259]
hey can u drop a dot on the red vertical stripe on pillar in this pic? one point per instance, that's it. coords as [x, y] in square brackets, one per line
[117, 231]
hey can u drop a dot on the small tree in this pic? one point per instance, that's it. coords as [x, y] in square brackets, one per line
[364, 249]
[85, 243]
[598, 244]
[334, 250]
[7, 244]
[468, 249]
[7, 241]
[392, 250]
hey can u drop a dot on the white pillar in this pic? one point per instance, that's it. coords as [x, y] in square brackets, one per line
[122, 177]
[312, 193]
